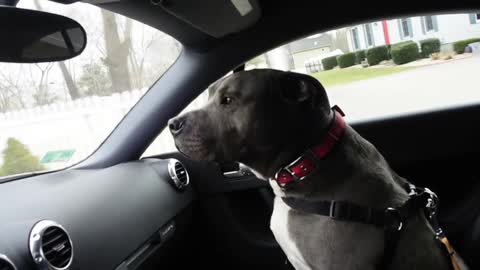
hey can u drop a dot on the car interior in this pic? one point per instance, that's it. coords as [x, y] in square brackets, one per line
[120, 210]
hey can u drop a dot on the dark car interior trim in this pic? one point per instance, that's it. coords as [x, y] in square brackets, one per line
[128, 204]
[124, 213]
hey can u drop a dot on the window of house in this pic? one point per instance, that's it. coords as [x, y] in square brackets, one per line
[429, 25]
[369, 34]
[356, 43]
[405, 28]
[474, 18]
[381, 91]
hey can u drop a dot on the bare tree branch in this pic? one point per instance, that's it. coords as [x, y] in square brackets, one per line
[12, 91]
[42, 95]
[69, 81]
[117, 51]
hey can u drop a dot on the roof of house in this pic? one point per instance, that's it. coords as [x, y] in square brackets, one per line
[307, 44]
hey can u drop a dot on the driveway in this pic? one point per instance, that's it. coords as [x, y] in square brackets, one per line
[421, 89]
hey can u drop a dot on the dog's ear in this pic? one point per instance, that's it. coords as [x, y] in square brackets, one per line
[302, 89]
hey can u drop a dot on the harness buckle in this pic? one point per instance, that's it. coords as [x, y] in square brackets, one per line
[431, 204]
[433, 200]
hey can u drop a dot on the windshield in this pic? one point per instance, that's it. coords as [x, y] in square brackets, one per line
[53, 115]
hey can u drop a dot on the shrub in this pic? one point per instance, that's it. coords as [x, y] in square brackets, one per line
[359, 56]
[18, 159]
[376, 55]
[459, 46]
[346, 60]
[429, 46]
[389, 48]
[329, 62]
[396, 44]
[404, 52]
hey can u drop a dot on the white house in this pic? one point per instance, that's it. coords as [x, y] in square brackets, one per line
[448, 28]
[314, 64]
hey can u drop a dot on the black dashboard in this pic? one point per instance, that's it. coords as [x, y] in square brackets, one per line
[112, 218]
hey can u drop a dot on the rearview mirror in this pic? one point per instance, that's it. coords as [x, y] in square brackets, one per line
[30, 36]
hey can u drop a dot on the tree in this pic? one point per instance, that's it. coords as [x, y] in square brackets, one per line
[117, 51]
[12, 87]
[137, 58]
[280, 58]
[339, 40]
[17, 158]
[6, 99]
[94, 80]
[42, 95]
[67, 76]
[69, 82]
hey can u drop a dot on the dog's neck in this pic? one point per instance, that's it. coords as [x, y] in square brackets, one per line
[268, 162]
[354, 171]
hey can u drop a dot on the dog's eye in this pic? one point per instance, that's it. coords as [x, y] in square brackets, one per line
[226, 100]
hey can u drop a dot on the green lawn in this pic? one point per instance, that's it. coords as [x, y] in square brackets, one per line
[343, 76]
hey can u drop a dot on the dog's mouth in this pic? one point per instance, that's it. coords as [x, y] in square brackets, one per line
[194, 149]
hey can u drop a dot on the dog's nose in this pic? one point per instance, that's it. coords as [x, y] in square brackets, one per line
[176, 125]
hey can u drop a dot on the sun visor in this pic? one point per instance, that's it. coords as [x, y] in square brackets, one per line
[216, 18]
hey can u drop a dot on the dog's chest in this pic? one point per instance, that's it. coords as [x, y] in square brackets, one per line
[317, 242]
[279, 227]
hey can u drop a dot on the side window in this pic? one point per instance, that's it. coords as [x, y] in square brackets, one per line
[474, 18]
[429, 24]
[406, 30]
[164, 142]
[355, 41]
[383, 68]
[369, 35]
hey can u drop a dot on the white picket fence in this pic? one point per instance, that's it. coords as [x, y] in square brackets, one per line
[79, 125]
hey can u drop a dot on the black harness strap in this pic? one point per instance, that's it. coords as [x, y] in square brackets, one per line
[392, 220]
[339, 210]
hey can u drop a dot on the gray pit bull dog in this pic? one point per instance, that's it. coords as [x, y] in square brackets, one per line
[266, 119]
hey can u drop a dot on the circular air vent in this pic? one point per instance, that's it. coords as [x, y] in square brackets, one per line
[178, 173]
[6, 264]
[51, 246]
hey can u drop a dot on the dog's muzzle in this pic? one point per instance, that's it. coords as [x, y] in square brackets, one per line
[176, 125]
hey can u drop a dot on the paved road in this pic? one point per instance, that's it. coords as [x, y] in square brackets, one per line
[422, 89]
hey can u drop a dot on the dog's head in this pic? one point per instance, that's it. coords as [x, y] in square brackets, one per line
[252, 115]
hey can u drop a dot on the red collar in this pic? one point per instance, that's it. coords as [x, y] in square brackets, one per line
[306, 164]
